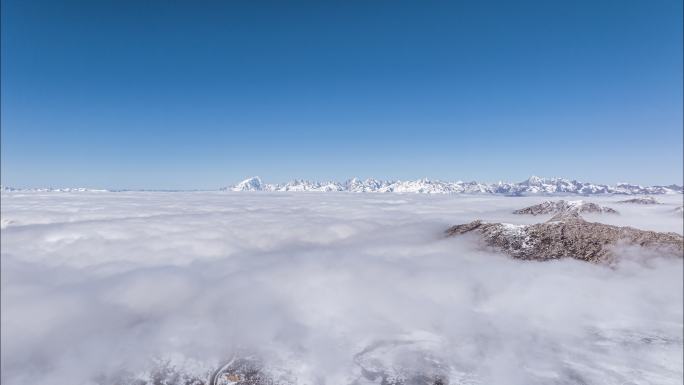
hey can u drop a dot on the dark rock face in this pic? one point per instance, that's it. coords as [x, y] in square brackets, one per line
[562, 206]
[568, 236]
[641, 201]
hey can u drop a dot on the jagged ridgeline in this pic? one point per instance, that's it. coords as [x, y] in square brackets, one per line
[562, 206]
[533, 185]
[567, 235]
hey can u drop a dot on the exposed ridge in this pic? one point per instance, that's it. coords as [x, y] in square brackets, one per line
[568, 235]
[532, 186]
[563, 206]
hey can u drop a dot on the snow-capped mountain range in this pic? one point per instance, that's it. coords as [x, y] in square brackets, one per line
[533, 185]
[50, 189]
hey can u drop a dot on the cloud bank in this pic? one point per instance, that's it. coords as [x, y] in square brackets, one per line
[97, 287]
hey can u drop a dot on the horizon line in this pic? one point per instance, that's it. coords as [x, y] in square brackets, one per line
[4, 187]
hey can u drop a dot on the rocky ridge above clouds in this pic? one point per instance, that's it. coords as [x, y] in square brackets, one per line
[641, 201]
[568, 235]
[562, 206]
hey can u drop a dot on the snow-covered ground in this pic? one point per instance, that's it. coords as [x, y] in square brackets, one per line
[322, 287]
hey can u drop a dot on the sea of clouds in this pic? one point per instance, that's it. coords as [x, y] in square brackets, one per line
[97, 287]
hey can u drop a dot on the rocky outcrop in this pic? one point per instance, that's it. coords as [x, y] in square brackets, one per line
[562, 206]
[386, 362]
[641, 201]
[567, 235]
[247, 370]
[243, 371]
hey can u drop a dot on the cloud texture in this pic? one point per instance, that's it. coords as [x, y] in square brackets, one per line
[320, 286]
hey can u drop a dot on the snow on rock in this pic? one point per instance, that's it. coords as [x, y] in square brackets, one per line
[567, 235]
[250, 184]
[642, 201]
[531, 186]
[562, 206]
[7, 189]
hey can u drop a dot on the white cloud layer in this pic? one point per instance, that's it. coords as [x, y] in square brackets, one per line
[97, 283]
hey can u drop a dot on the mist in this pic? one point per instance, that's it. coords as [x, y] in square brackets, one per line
[319, 286]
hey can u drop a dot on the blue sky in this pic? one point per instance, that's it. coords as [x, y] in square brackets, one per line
[186, 94]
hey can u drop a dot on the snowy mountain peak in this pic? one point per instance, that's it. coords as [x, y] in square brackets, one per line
[533, 185]
[250, 184]
[533, 181]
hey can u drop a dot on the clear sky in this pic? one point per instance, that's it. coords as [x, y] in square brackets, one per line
[200, 94]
